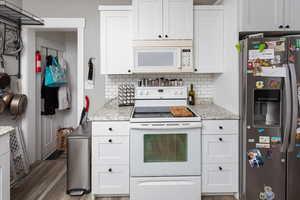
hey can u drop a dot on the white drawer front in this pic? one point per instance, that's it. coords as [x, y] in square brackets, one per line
[113, 150]
[110, 128]
[220, 148]
[4, 144]
[110, 179]
[220, 178]
[220, 127]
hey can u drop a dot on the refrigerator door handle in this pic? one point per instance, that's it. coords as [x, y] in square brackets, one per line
[294, 106]
[288, 110]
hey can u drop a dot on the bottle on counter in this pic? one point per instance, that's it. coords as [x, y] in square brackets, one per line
[191, 96]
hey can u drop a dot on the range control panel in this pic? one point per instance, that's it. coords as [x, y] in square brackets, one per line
[161, 93]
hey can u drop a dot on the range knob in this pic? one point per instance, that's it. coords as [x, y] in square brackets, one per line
[147, 93]
[141, 93]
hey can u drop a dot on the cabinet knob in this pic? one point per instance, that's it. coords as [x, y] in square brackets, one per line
[287, 26]
[220, 168]
[110, 129]
[129, 71]
[195, 70]
[220, 139]
[159, 36]
[110, 169]
[221, 127]
[166, 36]
[110, 140]
[281, 26]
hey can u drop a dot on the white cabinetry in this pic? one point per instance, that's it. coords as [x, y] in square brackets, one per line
[163, 19]
[115, 39]
[4, 168]
[110, 158]
[269, 15]
[220, 156]
[208, 39]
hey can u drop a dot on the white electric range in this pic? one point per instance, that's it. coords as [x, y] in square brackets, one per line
[165, 151]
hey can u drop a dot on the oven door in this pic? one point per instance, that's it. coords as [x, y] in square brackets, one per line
[165, 149]
[157, 59]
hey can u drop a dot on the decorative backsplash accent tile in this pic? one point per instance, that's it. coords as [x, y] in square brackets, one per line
[203, 83]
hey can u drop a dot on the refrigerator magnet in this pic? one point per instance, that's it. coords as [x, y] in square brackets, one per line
[298, 155]
[297, 145]
[264, 139]
[261, 130]
[275, 140]
[255, 158]
[269, 154]
[268, 194]
[260, 84]
[262, 146]
[251, 140]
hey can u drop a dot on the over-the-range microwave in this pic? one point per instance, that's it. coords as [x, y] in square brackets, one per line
[168, 56]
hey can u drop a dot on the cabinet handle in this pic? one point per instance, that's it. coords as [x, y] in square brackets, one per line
[220, 168]
[166, 36]
[110, 140]
[110, 169]
[287, 26]
[220, 139]
[110, 129]
[159, 36]
[281, 26]
[221, 127]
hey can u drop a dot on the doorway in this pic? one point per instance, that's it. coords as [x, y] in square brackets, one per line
[63, 38]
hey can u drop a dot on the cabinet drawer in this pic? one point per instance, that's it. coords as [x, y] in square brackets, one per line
[110, 150]
[110, 179]
[110, 128]
[220, 127]
[4, 144]
[220, 148]
[222, 178]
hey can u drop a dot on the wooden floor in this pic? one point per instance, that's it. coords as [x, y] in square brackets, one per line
[47, 181]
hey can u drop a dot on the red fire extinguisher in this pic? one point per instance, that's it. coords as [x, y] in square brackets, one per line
[38, 62]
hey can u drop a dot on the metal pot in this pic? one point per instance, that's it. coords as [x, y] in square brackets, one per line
[18, 104]
[2, 106]
[7, 97]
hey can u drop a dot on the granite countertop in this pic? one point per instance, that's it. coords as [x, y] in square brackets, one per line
[5, 130]
[111, 112]
[213, 112]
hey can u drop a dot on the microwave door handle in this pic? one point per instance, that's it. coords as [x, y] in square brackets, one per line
[288, 109]
[295, 108]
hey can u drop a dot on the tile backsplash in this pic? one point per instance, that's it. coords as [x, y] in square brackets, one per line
[203, 83]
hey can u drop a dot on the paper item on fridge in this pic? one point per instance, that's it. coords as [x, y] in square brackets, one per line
[265, 54]
[273, 72]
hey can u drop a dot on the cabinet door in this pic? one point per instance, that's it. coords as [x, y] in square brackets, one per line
[4, 177]
[220, 178]
[220, 148]
[148, 20]
[178, 19]
[115, 42]
[292, 15]
[208, 40]
[110, 179]
[262, 15]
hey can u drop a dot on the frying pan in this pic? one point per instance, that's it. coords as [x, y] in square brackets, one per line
[18, 104]
[7, 97]
[2, 106]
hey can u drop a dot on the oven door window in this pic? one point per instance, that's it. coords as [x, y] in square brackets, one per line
[165, 148]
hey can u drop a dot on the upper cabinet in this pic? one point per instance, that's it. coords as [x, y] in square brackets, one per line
[208, 39]
[269, 15]
[115, 40]
[163, 19]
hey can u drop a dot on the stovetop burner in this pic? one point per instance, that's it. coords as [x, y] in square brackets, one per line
[154, 112]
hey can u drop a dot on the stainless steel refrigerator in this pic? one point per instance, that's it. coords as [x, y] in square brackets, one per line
[270, 121]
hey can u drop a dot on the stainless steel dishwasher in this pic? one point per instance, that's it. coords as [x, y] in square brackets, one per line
[79, 161]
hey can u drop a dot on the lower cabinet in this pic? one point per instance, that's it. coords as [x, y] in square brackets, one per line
[4, 168]
[220, 178]
[110, 179]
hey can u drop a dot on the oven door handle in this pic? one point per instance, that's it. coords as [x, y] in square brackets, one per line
[160, 126]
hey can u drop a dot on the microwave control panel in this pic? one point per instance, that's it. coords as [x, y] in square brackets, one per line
[186, 57]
